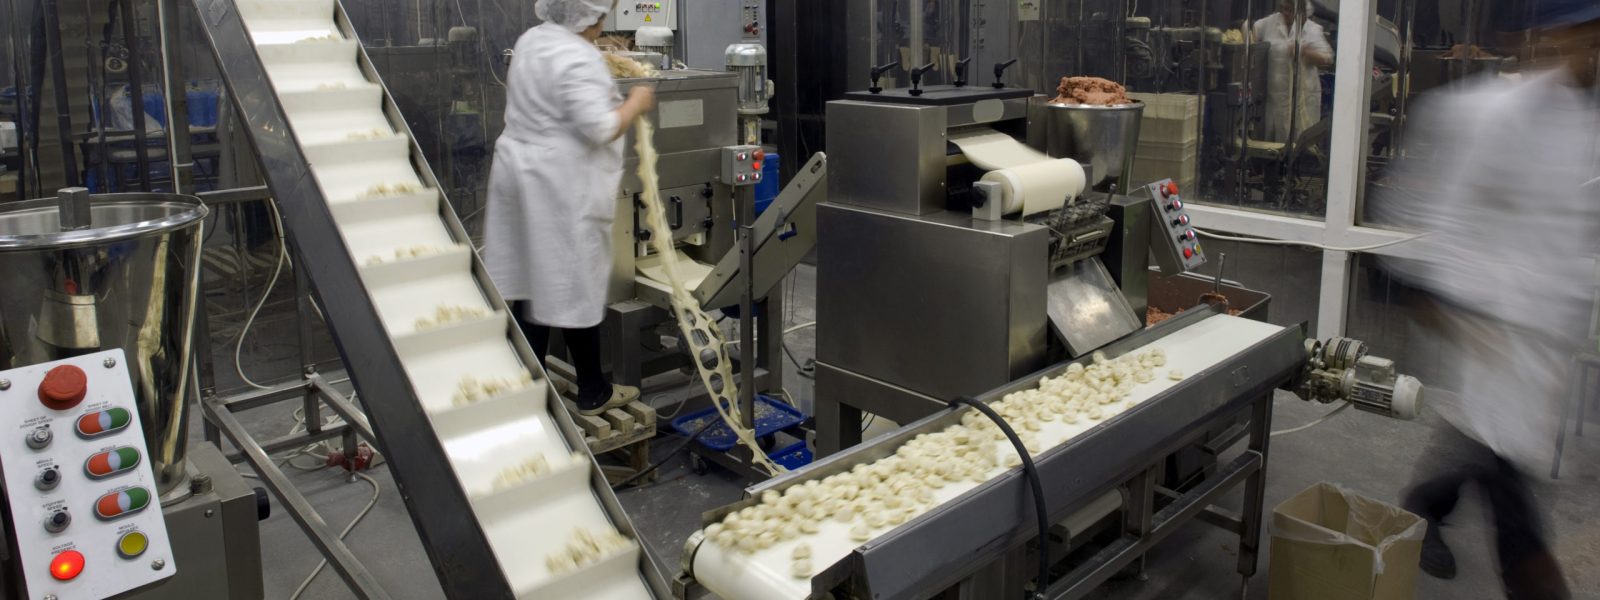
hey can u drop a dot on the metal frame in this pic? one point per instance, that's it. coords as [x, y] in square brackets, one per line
[457, 546]
[221, 420]
[955, 542]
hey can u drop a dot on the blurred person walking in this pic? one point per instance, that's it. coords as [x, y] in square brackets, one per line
[1502, 167]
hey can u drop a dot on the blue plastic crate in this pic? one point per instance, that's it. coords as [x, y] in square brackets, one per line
[793, 457]
[771, 416]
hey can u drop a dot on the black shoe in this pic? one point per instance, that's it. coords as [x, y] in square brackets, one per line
[1437, 559]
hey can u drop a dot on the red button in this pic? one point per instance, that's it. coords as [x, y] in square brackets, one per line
[63, 387]
[67, 565]
[1188, 253]
[760, 155]
[1172, 189]
[757, 165]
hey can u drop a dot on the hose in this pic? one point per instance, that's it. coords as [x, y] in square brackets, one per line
[1034, 482]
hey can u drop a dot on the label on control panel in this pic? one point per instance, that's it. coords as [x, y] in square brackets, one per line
[81, 491]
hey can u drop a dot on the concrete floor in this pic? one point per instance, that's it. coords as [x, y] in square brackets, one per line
[1367, 454]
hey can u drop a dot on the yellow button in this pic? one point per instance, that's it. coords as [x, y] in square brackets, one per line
[132, 544]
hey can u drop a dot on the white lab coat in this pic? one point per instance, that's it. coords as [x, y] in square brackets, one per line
[1499, 170]
[1281, 72]
[553, 186]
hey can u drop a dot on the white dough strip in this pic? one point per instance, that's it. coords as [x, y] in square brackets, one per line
[708, 345]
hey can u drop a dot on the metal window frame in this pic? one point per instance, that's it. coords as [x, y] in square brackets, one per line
[1346, 179]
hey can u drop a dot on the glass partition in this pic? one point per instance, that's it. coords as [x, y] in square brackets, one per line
[1238, 97]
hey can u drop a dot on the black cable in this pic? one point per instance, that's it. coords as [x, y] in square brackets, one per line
[804, 371]
[675, 451]
[1032, 473]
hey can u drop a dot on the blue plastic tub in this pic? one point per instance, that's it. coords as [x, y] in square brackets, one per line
[794, 457]
[771, 417]
[767, 190]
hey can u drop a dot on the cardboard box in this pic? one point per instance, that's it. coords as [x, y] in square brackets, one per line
[1331, 544]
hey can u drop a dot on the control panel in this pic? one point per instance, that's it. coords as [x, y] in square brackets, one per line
[1173, 238]
[741, 165]
[630, 16]
[79, 484]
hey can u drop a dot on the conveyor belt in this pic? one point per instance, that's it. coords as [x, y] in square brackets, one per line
[1204, 349]
[385, 253]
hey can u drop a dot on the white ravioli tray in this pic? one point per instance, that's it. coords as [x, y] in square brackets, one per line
[338, 117]
[766, 574]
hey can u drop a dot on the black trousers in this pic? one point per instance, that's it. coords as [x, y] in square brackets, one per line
[584, 346]
[1458, 460]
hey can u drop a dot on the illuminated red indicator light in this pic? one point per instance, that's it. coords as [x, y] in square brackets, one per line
[126, 502]
[63, 387]
[104, 422]
[67, 565]
[1188, 253]
[106, 464]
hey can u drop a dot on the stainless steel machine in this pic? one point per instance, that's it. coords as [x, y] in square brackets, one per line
[931, 302]
[101, 291]
[909, 238]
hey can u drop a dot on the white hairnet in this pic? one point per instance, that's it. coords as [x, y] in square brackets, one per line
[575, 15]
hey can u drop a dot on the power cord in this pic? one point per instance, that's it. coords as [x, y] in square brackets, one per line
[658, 464]
[1315, 423]
[373, 501]
[1032, 474]
[283, 255]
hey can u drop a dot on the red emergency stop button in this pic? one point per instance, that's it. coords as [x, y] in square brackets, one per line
[63, 387]
[760, 155]
[67, 565]
[1171, 188]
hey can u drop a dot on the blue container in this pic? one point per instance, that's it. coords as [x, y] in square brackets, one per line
[767, 190]
[771, 417]
[794, 457]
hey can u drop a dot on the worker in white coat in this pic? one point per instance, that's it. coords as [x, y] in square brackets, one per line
[1294, 92]
[1502, 171]
[553, 188]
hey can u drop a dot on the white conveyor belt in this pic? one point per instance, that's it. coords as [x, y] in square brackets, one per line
[411, 266]
[765, 574]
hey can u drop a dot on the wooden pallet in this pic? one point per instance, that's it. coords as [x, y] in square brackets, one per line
[624, 433]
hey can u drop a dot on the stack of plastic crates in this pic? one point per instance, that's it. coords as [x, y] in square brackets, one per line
[1169, 139]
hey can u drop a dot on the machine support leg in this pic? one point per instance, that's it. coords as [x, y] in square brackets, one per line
[1137, 521]
[361, 581]
[747, 330]
[846, 431]
[1255, 488]
[307, 315]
